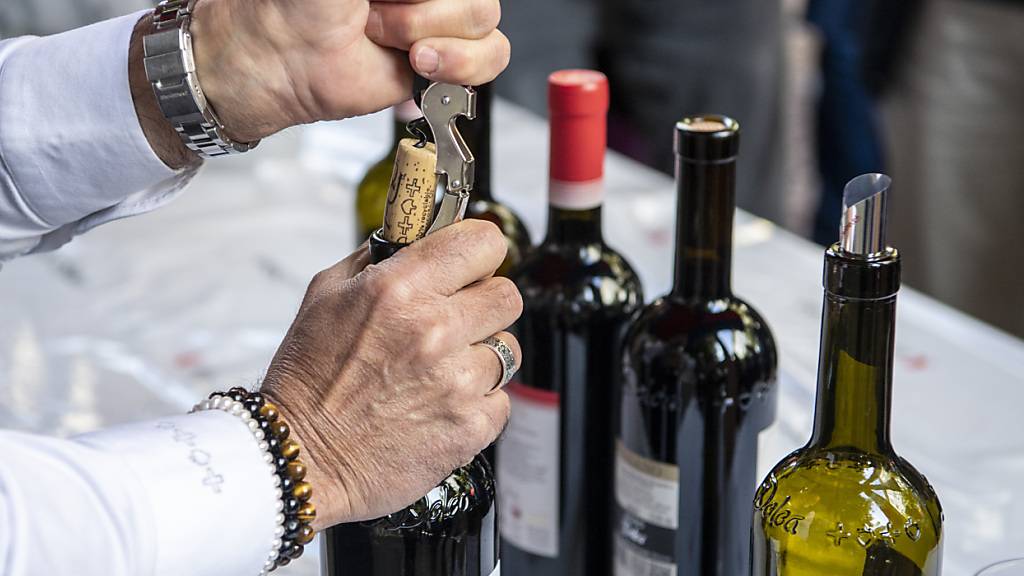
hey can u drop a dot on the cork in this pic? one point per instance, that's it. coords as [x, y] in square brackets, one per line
[410, 203]
[706, 125]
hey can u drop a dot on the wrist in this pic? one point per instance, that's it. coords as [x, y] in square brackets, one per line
[160, 135]
[307, 426]
[240, 75]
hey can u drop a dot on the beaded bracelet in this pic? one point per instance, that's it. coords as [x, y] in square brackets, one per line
[295, 513]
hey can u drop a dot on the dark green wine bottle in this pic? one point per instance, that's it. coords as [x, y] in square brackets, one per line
[452, 530]
[482, 203]
[372, 191]
[699, 385]
[845, 504]
[555, 459]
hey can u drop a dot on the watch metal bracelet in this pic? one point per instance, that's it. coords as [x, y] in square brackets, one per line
[171, 70]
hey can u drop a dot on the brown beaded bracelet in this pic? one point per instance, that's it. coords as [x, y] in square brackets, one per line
[296, 513]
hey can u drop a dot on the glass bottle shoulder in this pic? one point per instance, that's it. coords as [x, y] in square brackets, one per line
[378, 176]
[501, 215]
[580, 277]
[681, 333]
[846, 511]
[371, 195]
[511, 226]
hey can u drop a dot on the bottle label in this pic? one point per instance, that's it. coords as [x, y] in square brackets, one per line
[646, 494]
[576, 195]
[528, 471]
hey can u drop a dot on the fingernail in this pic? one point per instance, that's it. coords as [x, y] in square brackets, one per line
[427, 61]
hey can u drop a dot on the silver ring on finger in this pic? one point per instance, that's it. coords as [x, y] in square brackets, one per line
[505, 356]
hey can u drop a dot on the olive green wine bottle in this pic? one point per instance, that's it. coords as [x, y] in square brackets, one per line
[845, 504]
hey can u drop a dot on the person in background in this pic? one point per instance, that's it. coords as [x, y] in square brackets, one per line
[669, 58]
[379, 384]
[665, 59]
[953, 118]
[847, 142]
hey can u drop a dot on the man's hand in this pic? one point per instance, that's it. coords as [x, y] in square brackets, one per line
[265, 65]
[379, 377]
[269, 64]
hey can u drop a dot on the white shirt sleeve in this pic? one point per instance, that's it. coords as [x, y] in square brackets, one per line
[72, 152]
[182, 495]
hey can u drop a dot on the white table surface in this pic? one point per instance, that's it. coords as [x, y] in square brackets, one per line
[143, 316]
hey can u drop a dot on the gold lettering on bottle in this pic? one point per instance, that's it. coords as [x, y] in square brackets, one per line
[776, 512]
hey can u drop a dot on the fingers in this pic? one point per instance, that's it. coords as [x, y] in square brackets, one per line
[390, 82]
[474, 371]
[454, 257]
[485, 308]
[401, 24]
[489, 366]
[353, 264]
[496, 408]
[480, 423]
[461, 61]
[454, 41]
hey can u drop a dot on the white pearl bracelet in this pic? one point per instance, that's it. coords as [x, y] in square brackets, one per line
[235, 408]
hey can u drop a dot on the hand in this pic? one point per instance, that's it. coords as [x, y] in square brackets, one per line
[269, 64]
[379, 377]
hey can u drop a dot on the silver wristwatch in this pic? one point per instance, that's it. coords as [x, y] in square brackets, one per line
[171, 69]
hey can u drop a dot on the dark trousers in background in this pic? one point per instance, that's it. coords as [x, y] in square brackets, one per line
[665, 59]
[847, 141]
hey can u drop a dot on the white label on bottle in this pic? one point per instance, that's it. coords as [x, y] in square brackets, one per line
[497, 569]
[632, 560]
[647, 515]
[646, 488]
[528, 471]
[576, 195]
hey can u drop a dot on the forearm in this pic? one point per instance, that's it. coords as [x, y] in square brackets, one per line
[73, 153]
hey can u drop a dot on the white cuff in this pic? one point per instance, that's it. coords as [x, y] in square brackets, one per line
[73, 153]
[212, 495]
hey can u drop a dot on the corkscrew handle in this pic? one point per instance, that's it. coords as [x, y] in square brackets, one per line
[442, 105]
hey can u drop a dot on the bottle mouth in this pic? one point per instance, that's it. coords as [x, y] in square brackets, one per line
[708, 138]
[862, 265]
[705, 123]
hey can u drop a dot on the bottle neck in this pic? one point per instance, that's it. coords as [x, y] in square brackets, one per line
[705, 208]
[855, 374]
[578, 122]
[578, 227]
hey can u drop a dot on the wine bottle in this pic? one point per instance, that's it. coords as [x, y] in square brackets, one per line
[373, 188]
[453, 530]
[483, 205]
[554, 460]
[845, 504]
[698, 385]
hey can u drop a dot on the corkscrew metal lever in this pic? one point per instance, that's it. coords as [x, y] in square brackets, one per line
[442, 105]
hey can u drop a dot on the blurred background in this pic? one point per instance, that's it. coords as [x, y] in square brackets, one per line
[929, 91]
